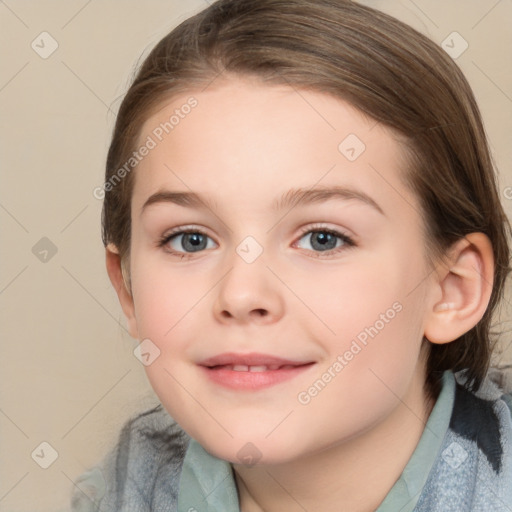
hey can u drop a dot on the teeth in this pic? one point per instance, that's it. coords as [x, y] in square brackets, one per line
[245, 368]
[255, 368]
[258, 368]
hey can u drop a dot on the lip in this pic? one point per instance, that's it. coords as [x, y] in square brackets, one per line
[219, 369]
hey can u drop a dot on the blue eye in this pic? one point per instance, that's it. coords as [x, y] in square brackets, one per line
[315, 240]
[188, 241]
[323, 240]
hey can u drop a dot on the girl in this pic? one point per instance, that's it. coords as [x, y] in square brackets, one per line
[302, 226]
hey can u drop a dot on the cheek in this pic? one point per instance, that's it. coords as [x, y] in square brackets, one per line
[351, 298]
[372, 322]
[363, 381]
[163, 299]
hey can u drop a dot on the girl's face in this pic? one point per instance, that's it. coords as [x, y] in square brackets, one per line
[278, 271]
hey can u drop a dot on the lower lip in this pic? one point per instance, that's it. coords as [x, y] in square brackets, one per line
[252, 381]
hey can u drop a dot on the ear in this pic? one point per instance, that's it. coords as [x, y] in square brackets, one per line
[115, 273]
[462, 289]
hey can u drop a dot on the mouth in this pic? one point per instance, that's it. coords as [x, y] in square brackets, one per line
[251, 371]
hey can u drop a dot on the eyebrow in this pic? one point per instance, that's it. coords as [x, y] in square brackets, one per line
[289, 200]
[187, 199]
[296, 197]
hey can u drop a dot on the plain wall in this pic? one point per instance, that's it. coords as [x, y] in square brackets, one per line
[67, 369]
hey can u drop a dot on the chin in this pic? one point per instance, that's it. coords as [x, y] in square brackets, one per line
[251, 450]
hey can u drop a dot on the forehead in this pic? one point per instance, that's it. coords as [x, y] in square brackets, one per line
[251, 139]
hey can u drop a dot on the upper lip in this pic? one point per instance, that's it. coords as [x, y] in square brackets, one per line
[252, 359]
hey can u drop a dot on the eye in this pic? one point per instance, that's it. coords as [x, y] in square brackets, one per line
[188, 241]
[323, 240]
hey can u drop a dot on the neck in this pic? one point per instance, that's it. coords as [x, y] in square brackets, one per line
[353, 475]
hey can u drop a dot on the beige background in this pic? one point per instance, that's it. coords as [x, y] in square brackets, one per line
[68, 374]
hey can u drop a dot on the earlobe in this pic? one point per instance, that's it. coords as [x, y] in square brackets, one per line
[115, 273]
[464, 285]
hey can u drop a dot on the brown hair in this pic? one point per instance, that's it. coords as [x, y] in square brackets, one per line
[384, 68]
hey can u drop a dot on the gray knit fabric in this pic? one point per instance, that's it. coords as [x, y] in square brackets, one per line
[474, 470]
[141, 474]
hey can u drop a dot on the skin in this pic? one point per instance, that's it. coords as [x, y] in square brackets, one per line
[242, 148]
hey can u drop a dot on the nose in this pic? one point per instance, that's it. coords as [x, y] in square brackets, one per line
[249, 293]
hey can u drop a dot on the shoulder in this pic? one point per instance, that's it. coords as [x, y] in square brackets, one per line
[507, 398]
[478, 443]
[483, 418]
[142, 470]
[494, 397]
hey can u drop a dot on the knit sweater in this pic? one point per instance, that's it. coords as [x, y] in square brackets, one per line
[462, 463]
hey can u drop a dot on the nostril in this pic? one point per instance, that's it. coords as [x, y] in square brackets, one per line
[254, 314]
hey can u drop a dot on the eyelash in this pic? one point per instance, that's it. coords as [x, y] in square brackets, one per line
[179, 231]
[348, 242]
